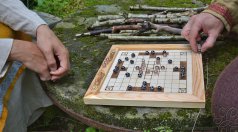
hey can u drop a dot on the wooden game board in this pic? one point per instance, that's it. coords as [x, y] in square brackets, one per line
[153, 75]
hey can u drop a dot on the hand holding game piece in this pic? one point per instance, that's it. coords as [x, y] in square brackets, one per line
[207, 23]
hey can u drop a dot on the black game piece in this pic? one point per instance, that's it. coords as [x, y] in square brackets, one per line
[158, 58]
[119, 61]
[182, 74]
[182, 70]
[143, 87]
[152, 52]
[129, 87]
[147, 52]
[126, 58]
[133, 55]
[115, 70]
[132, 61]
[128, 74]
[170, 61]
[159, 88]
[139, 75]
[164, 52]
[175, 68]
[123, 68]
[144, 83]
[152, 88]
[117, 67]
[137, 67]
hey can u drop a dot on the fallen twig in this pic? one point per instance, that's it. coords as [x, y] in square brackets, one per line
[166, 28]
[173, 9]
[146, 38]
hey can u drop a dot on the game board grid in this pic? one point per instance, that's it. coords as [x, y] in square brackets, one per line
[168, 82]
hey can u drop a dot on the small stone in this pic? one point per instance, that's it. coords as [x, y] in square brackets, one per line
[139, 75]
[152, 52]
[128, 74]
[152, 88]
[133, 55]
[132, 61]
[119, 61]
[123, 68]
[126, 58]
[147, 52]
[129, 87]
[170, 61]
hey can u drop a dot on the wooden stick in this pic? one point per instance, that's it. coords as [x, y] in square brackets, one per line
[116, 22]
[146, 38]
[110, 17]
[180, 20]
[166, 28]
[168, 15]
[173, 9]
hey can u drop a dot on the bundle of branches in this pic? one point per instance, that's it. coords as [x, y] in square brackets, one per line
[130, 26]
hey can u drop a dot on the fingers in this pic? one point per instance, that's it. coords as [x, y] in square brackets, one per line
[63, 68]
[209, 42]
[186, 29]
[194, 36]
[51, 62]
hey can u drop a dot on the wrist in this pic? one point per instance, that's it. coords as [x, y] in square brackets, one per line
[42, 29]
[222, 13]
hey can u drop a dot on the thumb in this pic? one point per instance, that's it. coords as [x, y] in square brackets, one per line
[209, 42]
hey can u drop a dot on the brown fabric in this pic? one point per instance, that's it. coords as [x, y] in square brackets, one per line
[225, 99]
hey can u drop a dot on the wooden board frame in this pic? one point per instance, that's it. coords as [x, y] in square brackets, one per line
[148, 99]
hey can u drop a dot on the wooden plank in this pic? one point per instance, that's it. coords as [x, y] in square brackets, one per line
[198, 79]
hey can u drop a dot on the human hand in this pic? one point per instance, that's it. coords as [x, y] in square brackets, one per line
[31, 56]
[206, 23]
[53, 49]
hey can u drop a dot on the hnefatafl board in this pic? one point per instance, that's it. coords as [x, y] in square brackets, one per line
[152, 75]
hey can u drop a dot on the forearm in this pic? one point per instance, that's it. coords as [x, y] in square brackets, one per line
[5, 49]
[226, 11]
[14, 14]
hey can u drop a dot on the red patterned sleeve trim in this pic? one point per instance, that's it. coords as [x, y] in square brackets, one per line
[223, 11]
